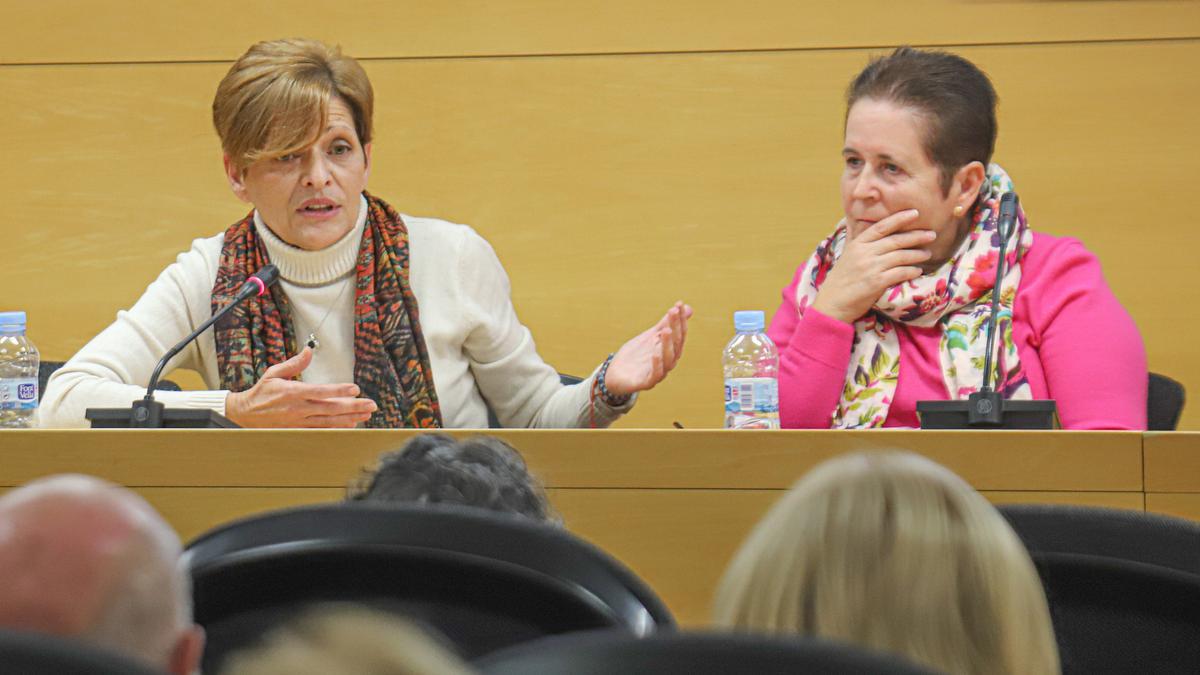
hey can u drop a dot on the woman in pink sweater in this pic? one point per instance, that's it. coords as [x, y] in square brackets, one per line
[891, 308]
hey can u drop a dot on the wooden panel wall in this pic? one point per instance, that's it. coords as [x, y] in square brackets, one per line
[91, 31]
[618, 156]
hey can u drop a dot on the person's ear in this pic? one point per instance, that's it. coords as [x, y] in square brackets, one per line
[367, 161]
[236, 177]
[968, 181]
[185, 656]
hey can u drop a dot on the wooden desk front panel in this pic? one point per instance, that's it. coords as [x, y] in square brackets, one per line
[1173, 473]
[660, 459]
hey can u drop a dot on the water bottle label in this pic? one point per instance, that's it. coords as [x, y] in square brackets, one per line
[18, 394]
[751, 402]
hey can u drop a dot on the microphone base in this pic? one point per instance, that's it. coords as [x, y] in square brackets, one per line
[166, 418]
[987, 410]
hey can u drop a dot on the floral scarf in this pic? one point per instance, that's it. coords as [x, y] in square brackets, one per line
[957, 298]
[391, 364]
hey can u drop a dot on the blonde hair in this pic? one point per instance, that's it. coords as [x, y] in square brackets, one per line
[346, 639]
[275, 98]
[893, 552]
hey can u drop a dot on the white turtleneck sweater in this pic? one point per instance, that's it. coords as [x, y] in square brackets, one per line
[478, 349]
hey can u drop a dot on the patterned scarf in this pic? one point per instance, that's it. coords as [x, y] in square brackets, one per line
[957, 298]
[391, 364]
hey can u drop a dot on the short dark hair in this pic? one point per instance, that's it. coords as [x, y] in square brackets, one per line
[955, 98]
[481, 471]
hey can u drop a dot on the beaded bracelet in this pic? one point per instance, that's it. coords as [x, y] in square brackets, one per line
[611, 400]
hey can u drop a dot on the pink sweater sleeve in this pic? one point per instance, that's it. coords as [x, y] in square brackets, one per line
[814, 352]
[1089, 347]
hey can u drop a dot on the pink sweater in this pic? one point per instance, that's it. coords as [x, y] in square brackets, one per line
[1076, 344]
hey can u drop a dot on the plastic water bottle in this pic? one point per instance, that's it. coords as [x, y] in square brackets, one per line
[18, 373]
[751, 375]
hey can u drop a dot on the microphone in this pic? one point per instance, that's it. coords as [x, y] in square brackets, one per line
[148, 412]
[1008, 214]
[987, 408]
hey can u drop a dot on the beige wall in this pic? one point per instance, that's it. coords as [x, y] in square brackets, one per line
[618, 155]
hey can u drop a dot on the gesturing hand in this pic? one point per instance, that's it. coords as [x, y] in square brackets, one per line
[872, 262]
[645, 360]
[279, 401]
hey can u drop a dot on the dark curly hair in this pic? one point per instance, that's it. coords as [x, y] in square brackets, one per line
[481, 471]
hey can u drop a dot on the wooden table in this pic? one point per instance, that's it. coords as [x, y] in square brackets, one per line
[672, 504]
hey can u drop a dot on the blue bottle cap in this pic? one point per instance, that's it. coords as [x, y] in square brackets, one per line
[12, 319]
[749, 320]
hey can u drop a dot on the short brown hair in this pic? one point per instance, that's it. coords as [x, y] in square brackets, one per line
[955, 98]
[275, 98]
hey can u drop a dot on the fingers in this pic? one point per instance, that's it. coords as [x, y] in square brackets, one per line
[888, 225]
[278, 402]
[685, 313]
[910, 239]
[902, 257]
[342, 406]
[292, 367]
[671, 338]
[664, 322]
[657, 357]
[674, 339]
[343, 413]
[313, 392]
[899, 275]
[348, 421]
[666, 348]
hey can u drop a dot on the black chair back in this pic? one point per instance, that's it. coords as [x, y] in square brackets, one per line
[483, 580]
[1134, 536]
[604, 653]
[1115, 616]
[45, 370]
[24, 653]
[1164, 403]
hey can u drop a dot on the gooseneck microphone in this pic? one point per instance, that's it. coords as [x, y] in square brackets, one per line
[1008, 214]
[987, 408]
[255, 285]
[148, 412]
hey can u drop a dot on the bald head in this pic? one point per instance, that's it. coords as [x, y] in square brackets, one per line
[83, 558]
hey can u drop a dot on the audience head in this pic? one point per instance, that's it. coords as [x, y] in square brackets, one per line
[482, 471]
[893, 552]
[337, 639]
[85, 559]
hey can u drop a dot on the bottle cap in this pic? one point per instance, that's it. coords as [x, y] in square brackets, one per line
[12, 319]
[749, 320]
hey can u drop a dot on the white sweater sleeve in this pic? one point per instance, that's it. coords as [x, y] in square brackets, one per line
[521, 388]
[113, 369]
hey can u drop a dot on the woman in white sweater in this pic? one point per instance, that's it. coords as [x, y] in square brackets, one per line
[379, 319]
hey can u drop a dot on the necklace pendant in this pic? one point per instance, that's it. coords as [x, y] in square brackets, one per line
[312, 342]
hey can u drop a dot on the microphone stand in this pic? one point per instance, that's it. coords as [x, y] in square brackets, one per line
[987, 408]
[148, 413]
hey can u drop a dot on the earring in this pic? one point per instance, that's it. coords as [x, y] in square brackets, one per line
[958, 211]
